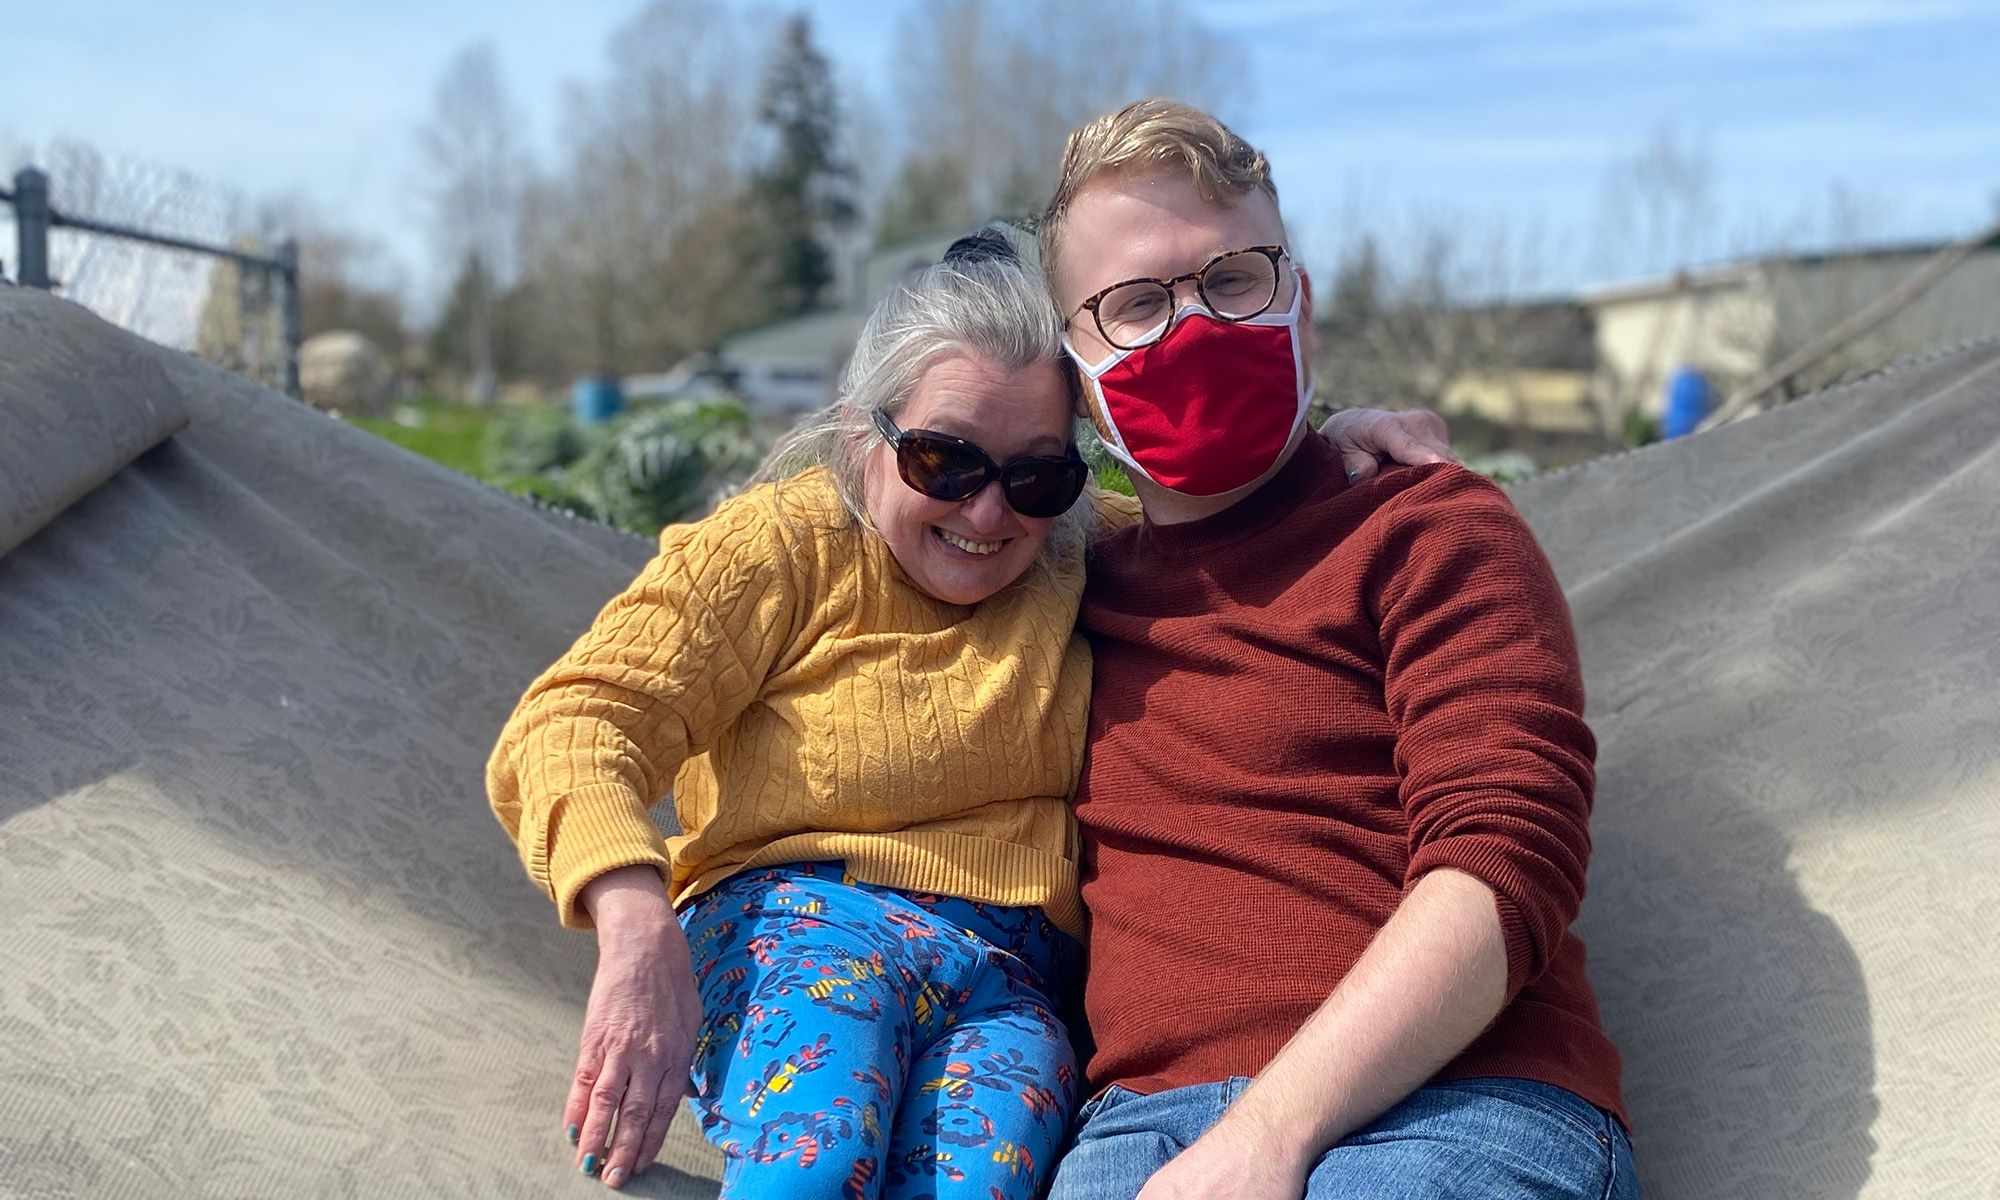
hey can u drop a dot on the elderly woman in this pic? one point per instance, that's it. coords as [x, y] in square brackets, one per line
[860, 682]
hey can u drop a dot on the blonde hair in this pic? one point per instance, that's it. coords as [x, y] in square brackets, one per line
[1154, 132]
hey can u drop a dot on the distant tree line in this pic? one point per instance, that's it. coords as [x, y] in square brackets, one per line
[717, 173]
[687, 197]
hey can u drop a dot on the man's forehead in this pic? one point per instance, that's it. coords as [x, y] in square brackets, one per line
[1143, 222]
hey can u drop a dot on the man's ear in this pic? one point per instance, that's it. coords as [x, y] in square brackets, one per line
[1080, 401]
[1073, 384]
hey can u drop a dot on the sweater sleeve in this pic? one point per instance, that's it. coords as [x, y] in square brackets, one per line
[1114, 510]
[667, 665]
[1482, 680]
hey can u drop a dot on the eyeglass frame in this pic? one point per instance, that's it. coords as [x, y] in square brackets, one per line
[1274, 253]
[996, 472]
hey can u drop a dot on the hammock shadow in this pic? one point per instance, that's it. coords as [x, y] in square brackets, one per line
[1741, 1012]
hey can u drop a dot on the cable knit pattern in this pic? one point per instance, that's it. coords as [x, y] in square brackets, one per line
[776, 671]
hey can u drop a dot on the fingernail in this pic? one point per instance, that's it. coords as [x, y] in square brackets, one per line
[1351, 475]
[615, 1177]
[590, 1164]
[573, 1132]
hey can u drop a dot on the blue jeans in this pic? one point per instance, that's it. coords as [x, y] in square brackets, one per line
[1469, 1138]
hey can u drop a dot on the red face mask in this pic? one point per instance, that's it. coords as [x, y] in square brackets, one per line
[1210, 406]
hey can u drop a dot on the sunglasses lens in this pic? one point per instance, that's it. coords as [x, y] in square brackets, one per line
[945, 468]
[940, 469]
[1044, 487]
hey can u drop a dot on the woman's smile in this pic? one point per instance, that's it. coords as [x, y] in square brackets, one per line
[967, 545]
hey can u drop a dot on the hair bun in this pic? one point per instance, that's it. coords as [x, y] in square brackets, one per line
[988, 245]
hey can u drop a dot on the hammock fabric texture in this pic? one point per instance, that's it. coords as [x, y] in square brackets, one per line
[261, 936]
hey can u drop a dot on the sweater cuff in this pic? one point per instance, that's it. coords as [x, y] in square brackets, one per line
[590, 831]
[1489, 866]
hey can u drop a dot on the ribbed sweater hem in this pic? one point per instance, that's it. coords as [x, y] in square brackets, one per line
[918, 860]
[1567, 1053]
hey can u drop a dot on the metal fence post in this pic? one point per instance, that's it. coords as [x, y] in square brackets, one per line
[33, 218]
[288, 259]
[31, 227]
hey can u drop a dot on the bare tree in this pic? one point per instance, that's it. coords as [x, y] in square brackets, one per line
[346, 282]
[1656, 208]
[1656, 214]
[990, 91]
[1406, 321]
[633, 245]
[472, 172]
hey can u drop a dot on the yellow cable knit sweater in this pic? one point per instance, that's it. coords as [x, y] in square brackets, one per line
[778, 673]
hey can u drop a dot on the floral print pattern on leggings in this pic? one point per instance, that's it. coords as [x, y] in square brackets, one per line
[862, 1041]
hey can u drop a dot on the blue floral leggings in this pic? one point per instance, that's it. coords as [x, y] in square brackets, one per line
[861, 1041]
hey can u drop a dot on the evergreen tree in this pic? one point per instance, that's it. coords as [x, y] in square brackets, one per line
[805, 191]
[929, 195]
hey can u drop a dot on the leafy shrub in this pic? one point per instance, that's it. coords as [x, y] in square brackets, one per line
[661, 464]
[530, 441]
[1504, 466]
[1640, 429]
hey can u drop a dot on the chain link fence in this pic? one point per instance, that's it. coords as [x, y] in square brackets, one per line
[158, 252]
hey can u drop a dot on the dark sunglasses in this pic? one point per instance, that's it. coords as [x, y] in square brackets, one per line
[948, 468]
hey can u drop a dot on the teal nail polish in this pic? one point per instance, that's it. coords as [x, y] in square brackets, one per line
[615, 1177]
[590, 1164]
[573, 1132]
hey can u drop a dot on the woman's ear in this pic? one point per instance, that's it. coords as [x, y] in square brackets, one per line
[859, 425]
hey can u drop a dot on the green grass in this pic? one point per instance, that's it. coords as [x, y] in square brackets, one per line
[451, 434]
[1111, 477]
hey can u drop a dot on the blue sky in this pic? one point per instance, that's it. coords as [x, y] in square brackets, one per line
[1498, 115]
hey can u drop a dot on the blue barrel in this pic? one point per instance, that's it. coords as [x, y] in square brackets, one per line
[1688, 401]
[594, 400]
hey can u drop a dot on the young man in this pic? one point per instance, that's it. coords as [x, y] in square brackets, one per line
[1336, 802]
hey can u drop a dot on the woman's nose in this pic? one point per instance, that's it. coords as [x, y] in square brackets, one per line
[987, 509]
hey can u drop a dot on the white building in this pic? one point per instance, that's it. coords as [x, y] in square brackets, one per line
[1731, 321]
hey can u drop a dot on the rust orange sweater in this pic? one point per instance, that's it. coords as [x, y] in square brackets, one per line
[1303, 704]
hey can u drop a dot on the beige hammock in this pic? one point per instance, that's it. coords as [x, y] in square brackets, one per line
[261, 936]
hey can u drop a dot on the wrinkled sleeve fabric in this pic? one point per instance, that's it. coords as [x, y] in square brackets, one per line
[1113, 511]
[667, 665]
[1482, 679]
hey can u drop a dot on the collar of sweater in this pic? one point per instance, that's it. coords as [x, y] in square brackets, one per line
[1314, 468]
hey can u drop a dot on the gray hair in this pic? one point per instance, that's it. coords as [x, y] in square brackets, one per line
[987, 306]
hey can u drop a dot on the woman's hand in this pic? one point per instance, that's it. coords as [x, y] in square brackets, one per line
[639, 1030]
[1364, 436]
